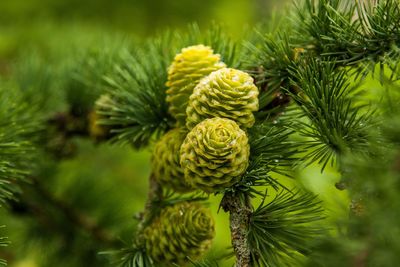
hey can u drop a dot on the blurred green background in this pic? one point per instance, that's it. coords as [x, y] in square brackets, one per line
[119, 173]
[26, 23]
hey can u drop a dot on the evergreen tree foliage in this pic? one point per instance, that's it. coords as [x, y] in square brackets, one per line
[310, 107]
[283, 228]
[17, 134]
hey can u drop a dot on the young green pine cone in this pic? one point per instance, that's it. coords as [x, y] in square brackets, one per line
[187, 69]
[180, 231]
[225, 93]
[96, 130]
[214, 154]
[165, 161]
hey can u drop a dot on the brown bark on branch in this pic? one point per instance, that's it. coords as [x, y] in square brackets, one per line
[240, 212]
[154, 193]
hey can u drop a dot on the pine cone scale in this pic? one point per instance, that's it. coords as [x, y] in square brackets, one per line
[187, 69]
[225, 93]
[180, 231]
[214, 154]
[166, 161]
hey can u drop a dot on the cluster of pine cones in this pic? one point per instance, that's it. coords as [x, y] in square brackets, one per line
[208, 149]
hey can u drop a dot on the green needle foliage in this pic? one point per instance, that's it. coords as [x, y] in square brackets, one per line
[282, 230]
[17, 131]
[373, 181]
[133, 257]
[16, 150]
[270, 64]
[334, 123]
[271, 151]
[84, 72]
[314, 111]
[274, 51]
[360, 33]
[38, 81]
[138, 93]
[3, 242]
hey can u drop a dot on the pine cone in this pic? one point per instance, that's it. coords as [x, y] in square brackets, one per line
[165, 161]
[96, 130]
[187, 69]
[214, 154]
[180, 231]
[225, 93]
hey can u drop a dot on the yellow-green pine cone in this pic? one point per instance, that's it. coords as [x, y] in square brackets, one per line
[165, 161]
[187, 69]
[180, 231]
[96, 130]
[225, 93]
[215, 154]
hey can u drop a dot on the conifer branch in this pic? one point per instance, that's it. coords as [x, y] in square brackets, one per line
[3, 243]
[75, 217]
[155, 194]
[19, 125]
[355, 33]
[282, 230]
[271, 151]
[337, 124]
[137, 111]
[136, 255]
[240, 210]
